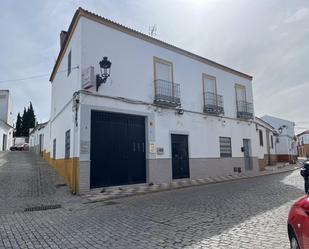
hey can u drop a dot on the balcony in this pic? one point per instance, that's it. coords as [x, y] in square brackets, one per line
[244, 110]
[213, 103]
[167, 93]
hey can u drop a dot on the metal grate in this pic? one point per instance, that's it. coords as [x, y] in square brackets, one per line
[213, 103]
[41, 208]
[244, 110]
[167, 93]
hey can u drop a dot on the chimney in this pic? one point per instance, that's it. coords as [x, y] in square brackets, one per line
[63, 37]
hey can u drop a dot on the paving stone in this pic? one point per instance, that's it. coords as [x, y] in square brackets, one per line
[249, 213]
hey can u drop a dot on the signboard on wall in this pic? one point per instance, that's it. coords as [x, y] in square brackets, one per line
[88, 79]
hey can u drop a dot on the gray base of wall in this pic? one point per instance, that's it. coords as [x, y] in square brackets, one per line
[160, 170]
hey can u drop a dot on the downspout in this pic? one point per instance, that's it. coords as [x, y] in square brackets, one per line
[76, 102]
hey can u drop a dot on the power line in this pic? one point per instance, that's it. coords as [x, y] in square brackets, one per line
[35, 76]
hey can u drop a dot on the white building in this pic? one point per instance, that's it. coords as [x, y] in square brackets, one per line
[286, 147]
[163, 114]
[266, 147]
[36, 138]
[303, 144]
[6, 120]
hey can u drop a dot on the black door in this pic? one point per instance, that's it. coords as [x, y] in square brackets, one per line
[180, 156]
[117, 149]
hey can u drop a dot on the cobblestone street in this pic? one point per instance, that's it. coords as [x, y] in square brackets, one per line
[248, 213]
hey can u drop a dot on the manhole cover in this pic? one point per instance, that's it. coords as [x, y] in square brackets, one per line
[40, 208]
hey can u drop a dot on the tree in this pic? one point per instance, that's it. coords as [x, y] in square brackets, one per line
[18, 126]
[27, 121]
[31, 116]
[24, 125]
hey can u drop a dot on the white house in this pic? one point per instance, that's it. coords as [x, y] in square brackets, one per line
[303, 144]
[286, 147]
[266, 147]
[36, 138]
[163, 114]
[6, 120]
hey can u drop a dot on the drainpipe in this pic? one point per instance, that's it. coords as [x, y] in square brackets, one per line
[75, 103]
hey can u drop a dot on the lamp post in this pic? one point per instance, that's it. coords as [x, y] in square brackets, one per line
[105, 69]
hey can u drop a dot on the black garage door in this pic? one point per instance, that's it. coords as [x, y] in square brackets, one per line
[117, 149]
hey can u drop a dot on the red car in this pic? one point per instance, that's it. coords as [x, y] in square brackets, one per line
[298, 224]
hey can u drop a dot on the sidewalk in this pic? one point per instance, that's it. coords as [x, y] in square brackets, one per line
[103, 194]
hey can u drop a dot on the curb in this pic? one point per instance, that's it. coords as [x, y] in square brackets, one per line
[233, 178]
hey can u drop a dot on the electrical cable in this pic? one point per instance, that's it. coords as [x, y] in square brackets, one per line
[35, 76]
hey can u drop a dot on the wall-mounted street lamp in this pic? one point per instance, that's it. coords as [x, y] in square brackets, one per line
[105, 69]
[280, 129]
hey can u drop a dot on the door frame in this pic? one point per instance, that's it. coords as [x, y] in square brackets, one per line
[84, 136]
[186, 133]
[250, 154]
[92, 111]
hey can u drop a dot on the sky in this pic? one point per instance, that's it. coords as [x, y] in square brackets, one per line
[268, 39]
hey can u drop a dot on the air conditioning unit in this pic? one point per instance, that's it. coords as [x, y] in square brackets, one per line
[88, 78]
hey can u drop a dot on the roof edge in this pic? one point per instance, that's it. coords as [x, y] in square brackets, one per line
[92, 16]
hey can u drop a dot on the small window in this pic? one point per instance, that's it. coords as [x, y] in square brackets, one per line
[69, 63]
[225, 147]
[261, 137]
[54, 149]
[67, 144]
[272, 141]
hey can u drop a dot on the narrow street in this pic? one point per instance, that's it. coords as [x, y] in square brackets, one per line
[248, 213]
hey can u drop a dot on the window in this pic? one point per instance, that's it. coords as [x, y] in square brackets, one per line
[209, 84]
[240, 92]
[272, 141]
[163, 70]
[69, 63]
[261, 137]
[67, 144]
[54, 149]
[225, 147]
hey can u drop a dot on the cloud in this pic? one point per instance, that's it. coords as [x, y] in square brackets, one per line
[299, 15]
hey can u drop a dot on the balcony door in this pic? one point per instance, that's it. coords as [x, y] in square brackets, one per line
[163, 70]
[210, 84]
[240, 93]
[210, 90]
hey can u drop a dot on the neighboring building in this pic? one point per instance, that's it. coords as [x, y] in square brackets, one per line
[303, 144]
[6, 120]
[163, 114]
[266, 147]
[286, 148]
[36, 138]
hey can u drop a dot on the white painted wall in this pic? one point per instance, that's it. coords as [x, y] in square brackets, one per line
[63, 86]
[303, 139]
[286, 144]
[132, 68]
[204, 131]
[8, 131]
[6, 107]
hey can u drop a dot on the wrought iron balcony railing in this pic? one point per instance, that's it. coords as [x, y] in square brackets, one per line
[244, 110]
[167, 93]
[213, 103]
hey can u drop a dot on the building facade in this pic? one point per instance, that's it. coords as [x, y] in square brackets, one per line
[162, 115]
[6, 120]
[36, 138]
[303, 144]
[286, 147]
[266, 147]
